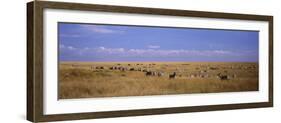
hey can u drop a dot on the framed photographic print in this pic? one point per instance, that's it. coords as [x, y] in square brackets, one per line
[97, 61]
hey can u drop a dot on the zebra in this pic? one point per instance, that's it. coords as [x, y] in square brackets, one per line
[160, 74]
[222, 77]
[148, 73]
[172, 76]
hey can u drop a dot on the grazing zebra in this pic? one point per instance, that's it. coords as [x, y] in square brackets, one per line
[154, 73]
[223, 77]
[172, 76]
[123, 69]
[132, 69]
[203, 75]
[148, 73]
[144, 70]
[160, 74]
[139, 69]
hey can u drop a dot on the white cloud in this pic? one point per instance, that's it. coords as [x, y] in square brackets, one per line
[145, 53]
[221, 52]
[71, 48]
[110, 50]
[153, 46]
[163, 53]
[167, 53]
[63, 47]
[101, 48]
[100, 29]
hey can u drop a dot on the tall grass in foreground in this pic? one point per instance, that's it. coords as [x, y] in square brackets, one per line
[83, 82]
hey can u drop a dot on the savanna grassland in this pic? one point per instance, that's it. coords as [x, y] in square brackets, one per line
[112, 79]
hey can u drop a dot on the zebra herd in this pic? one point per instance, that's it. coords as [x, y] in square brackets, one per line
[172, 75]
[154, 73]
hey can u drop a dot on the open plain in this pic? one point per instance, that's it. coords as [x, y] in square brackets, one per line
[114, 79]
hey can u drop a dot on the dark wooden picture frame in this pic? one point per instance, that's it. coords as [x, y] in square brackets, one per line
[35, 60]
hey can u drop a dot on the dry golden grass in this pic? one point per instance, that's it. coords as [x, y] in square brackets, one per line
[80, 80]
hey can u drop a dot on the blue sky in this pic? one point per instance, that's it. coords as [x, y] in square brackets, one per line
[93, 42]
